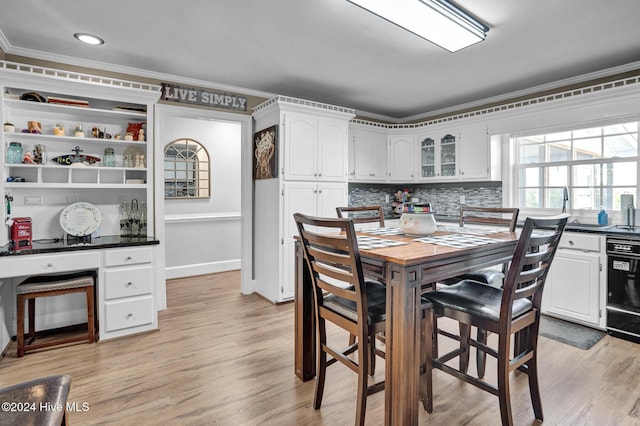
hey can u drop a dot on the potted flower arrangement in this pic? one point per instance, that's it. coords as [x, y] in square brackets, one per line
[9, 127]
[400, 198]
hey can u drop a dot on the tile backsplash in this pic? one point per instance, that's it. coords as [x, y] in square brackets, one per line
[444, 197]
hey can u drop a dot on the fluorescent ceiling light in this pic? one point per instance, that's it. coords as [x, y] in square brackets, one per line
[437, 21]
[88, 38]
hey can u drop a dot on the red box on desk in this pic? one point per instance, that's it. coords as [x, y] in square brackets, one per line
[21, 233]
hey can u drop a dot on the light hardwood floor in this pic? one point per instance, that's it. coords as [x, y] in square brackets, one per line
[221, 358]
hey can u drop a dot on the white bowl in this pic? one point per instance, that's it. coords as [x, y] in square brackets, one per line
[418, 223]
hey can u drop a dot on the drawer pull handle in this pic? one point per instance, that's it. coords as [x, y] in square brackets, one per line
[128, 258]
[129, 315]
[129, 284]
[571, 242]
[49, 265]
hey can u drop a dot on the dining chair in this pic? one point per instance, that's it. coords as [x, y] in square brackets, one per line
[342, 296]
[493, 216]
[30, 396]
[362, 214]
[512, 312]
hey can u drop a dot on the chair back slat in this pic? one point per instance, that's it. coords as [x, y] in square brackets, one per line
[333, 259]
[530, 264]
[362, 214]
[489, 216]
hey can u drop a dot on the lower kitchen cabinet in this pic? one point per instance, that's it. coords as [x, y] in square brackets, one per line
[573, 287]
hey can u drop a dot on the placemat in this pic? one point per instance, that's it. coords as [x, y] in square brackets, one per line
[368, 243]
[457, 240]
[467, 230]
[383, 231]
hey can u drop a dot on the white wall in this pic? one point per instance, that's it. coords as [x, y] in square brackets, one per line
[204, 235]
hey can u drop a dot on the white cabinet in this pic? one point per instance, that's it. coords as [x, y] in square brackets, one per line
[438, 155]
[474, 153]
[572, 290]
[126, 293]
[314, 142]
[402, 158]
[369, 150]
[316, 199]
[314, 148]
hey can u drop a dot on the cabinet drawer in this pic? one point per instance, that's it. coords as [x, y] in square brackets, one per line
[15, 266]
[127, 257]
[577, 241]
[127, 282]
[128, 313]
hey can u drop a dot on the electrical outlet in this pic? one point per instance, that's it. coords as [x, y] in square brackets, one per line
[386, 198]
[33, 200]
[462, 199]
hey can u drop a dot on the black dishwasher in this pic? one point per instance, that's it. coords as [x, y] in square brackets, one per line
[623, 287]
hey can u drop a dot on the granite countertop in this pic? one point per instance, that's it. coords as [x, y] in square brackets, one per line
[59, 245]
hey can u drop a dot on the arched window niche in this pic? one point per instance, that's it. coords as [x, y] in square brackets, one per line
[186, 170]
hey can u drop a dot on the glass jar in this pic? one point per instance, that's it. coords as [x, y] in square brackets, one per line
[14, 153]
[109, 158]
[124, 219]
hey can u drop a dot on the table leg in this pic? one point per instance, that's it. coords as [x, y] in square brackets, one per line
[402, 346]
[305, 331]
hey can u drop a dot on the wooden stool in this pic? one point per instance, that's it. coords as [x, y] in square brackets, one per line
[53, 285]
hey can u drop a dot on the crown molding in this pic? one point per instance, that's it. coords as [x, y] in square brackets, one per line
[70, 60]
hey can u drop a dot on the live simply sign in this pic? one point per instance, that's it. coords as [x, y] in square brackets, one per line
[185, 95]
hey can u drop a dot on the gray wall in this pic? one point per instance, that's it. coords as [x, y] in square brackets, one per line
[444, 197]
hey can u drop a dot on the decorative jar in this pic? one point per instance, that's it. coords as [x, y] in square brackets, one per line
[109, 158]
[418, 223]
[14, 153]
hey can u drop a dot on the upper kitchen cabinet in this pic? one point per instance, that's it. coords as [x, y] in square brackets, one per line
[368, 154]
[402, 158]
[475, 161]
[438, 155]
[315, 147]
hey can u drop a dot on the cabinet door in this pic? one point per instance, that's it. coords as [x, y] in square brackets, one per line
[300, 147]
[572, 287]
[448, 155]
[287, 287]
[299, 197]
[370, 151]
[474, 153]
[331, 196]
[402, 158]
[332, 150]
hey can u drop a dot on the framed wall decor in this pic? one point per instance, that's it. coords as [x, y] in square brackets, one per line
[265, 153]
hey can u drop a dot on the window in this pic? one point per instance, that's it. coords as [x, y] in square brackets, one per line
[186, 170]
[597, 164]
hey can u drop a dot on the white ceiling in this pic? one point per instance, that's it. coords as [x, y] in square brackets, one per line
[332, 51]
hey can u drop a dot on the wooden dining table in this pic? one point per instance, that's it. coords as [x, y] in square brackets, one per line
[406, 270]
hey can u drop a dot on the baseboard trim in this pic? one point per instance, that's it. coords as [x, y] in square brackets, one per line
[201, 269]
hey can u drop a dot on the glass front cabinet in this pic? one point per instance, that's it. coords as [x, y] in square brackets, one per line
[439, 156]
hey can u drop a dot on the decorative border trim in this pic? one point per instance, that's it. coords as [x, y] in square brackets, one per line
[76, 76]
[596, 88]
[303, 102]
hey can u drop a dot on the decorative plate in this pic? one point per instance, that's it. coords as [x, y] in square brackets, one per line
[80, 219]
[67, 159]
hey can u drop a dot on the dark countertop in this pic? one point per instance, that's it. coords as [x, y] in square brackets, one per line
[59, 245]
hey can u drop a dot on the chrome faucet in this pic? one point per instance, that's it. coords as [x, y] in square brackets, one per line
[565, 198]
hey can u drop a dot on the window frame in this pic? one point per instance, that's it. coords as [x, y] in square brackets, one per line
[545, 187]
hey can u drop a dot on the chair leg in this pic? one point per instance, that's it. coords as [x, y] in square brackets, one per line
[20, 325]
[31, 303]
[91, 327]
[372, 353]
[534, 387]
[481, 356]
[322, 364]
[364, 354]
[503, 382]
[465, 333]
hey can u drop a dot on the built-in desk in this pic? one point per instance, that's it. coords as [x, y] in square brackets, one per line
[125, 284]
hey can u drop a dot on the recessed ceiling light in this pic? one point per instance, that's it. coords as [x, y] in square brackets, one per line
[89, 38]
